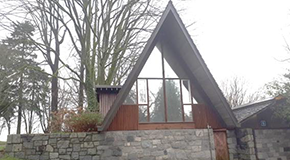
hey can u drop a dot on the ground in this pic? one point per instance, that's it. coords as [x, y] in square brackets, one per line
[8, 158]
[2, 145]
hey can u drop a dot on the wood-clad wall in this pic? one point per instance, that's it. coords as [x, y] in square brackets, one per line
[204, 115]
[106, 101]
[127, 119]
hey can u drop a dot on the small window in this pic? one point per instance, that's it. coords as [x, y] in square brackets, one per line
[263, 123]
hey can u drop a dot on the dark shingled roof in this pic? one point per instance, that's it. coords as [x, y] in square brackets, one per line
[244, 112]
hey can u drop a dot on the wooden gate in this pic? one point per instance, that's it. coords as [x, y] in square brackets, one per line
[221, 145]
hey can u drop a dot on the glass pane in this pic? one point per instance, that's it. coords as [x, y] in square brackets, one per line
[188, 113]
[131, 98]
[142, 91]
[174, 109]
[186, 97]
[154, 62]
[169, 73]
[156, 100]
[194, 101]
[143, 113]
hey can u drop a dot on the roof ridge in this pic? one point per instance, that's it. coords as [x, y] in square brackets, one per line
[253, 103]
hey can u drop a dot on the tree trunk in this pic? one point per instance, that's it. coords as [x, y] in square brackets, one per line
[20, 105]
[54, 93]
[90, 92]
[81, 88]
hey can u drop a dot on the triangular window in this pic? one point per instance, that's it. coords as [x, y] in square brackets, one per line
[169, 73]
[153, 66]
[161, 95]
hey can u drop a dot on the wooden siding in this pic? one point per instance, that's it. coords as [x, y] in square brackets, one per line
[106, 101]
[125, 119]
[204, 115]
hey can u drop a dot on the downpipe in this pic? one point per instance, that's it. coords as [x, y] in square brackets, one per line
[210, 147]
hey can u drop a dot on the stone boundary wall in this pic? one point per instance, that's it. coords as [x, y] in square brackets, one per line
[132, 145]
[232, 145]
[261, 144]
[273, 144]
[246, 144]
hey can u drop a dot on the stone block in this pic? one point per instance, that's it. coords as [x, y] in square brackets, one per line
[96, 158]
[138, 139]
[49, 148]
[86, 157]
[116, 151]
[62, 151]
[9, 148]
[88, 138]
[40, 138]
[64, 156]
[74, 140]
[63, 144]
[52, 141]
[180, 154]
[75, 155]
[92, 151]
[73, 135]
[9, 139]
[157, 153]
[53, 155]
[38, 143]
[88, 144]
[16, 138]
[19, 155]
[54, 135]
[82, 135]
[17, 147]
[33, 157]
[146, 144]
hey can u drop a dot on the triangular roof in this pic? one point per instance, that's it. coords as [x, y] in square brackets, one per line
[246, 111]
[178, 46]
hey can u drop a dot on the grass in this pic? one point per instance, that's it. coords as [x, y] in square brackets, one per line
[2, 145]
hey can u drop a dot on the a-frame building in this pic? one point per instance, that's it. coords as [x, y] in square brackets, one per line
[179, 52]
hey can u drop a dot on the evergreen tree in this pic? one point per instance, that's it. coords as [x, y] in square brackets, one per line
[281, 88]
[26, 80]
[174, 110]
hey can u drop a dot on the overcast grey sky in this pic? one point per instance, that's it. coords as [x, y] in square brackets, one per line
[238, 37]
[241, 38]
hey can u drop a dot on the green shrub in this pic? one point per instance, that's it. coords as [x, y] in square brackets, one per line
[66, 120]
[84, 122]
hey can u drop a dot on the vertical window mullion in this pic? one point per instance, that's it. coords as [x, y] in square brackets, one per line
[148, 112]
[181, 100]
[137, 101]
[164, 85]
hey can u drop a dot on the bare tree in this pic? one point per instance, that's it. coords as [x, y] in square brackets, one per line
[236, 92]
[105, 34]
